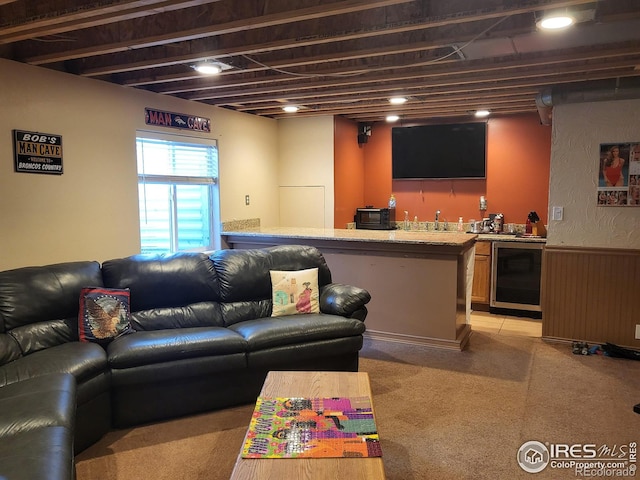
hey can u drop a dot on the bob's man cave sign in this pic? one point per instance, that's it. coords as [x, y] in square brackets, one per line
[36, 152]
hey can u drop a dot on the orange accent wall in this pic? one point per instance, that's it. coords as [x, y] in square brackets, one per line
[349, 172]
[518, 159]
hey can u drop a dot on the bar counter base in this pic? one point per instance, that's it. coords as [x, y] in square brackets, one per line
[459, 344]
[420, 285]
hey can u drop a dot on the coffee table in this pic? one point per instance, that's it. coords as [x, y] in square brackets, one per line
[312, 385]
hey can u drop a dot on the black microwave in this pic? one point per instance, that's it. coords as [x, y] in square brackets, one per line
[376, 218]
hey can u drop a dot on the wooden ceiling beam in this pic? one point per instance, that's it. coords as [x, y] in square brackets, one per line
[406, 71]
[584, 59]
[459, 83]
[79, 18]
[538, 83]
[417, 112]
[427, 112]
[338, 54]
[93, 47]
[379, 99]
[153, 36]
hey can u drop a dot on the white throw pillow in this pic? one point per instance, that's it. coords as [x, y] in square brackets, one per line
[294, 292]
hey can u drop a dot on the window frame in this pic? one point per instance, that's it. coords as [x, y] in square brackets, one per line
[172, 181]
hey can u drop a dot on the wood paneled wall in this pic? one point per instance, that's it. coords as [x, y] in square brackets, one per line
[591, 295]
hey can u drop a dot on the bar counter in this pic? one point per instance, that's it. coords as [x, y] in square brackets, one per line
[420, 282]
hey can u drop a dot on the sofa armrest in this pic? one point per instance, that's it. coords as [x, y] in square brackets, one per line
[344, 300]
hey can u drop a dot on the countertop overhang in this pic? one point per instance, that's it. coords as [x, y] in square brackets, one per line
[397, 241]
[420, 237]
[353, 235]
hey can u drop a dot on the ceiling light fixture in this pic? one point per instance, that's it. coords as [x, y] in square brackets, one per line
[290, 108]
[397, 100]
[482, 113]
[556, 22]
[392, 118]
[208, 67]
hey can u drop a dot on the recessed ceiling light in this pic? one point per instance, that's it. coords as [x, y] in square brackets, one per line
[397, 100]
[556, 22]
[482, 113]
[207, 67]
[392, 118]
[290, 108]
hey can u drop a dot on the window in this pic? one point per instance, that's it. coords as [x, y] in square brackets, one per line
[178, 194]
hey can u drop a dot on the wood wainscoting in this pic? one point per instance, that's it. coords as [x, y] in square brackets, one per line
[591, 294]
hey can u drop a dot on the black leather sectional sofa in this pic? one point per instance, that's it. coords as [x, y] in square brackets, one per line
[204, 339]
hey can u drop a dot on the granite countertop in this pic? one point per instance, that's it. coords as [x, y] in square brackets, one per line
[387, 236]
[398, 236]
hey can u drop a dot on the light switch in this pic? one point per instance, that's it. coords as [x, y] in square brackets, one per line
[558, 213]
[247, 201]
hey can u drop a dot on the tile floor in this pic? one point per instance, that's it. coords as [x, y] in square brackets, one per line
[505, 325]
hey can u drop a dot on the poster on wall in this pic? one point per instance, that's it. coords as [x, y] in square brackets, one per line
[36, 152]
[619, 175]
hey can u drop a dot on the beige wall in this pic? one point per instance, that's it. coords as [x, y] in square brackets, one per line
[305, 147]
[578, 131]
[90, 212]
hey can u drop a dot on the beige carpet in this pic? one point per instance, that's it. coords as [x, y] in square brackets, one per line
[440, 414]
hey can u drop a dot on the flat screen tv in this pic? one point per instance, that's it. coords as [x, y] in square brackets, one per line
[439, 151]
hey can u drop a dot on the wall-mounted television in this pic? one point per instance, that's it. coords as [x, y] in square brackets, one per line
[439, 151]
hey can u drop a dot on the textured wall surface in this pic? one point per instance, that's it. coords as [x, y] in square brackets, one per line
[578, 131]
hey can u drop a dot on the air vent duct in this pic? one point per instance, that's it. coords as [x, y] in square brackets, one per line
[618, 89]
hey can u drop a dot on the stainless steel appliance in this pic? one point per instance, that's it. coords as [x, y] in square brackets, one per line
[516, 269]
[370, 218]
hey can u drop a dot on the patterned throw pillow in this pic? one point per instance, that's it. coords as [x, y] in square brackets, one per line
[294, 292]
[104, 314]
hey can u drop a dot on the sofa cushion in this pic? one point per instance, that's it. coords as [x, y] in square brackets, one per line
[39, 305]
[242, 311]
[201, 314]
[158, 281]
[334, 354]
[9, 349]
[244, 274]
[178, 372]
[40, 335]
[145, 348]
[104, 314]
[36, 294]
[272, 332]
[294, 292]
[38, 402]
[38, 454]
[83, 360]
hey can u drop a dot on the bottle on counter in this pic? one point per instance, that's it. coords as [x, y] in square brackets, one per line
[460, 225]
[392, 201]
[498, 223]
[528, 227]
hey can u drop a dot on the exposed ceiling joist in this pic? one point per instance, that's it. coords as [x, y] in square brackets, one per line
[340, 57]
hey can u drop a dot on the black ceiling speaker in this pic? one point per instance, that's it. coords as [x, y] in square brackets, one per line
[364, 132]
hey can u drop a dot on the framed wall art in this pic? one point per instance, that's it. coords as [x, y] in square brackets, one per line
[619, 175]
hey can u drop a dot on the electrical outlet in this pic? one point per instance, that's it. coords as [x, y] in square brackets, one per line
[247, 201]
[637, 331]
[558, 213]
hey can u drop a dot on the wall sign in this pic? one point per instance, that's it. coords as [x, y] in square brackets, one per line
[176, 120]
[619, 174]
[36, 152]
